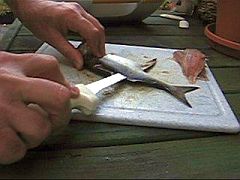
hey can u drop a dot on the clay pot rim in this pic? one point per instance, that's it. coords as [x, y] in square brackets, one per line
[219, 40]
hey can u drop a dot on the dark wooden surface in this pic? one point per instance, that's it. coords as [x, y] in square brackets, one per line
[98, 150]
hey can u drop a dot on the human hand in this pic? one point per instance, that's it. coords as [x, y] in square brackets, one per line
[34, 102]
[50, 21]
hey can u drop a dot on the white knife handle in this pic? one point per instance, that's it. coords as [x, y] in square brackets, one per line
[86, 102]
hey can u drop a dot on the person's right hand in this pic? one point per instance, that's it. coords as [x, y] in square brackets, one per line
[34, 101]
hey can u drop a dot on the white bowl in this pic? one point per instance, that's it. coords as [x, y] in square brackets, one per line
[132, 10]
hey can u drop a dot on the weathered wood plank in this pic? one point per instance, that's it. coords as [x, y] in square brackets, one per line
[153, 30]
[85, 134]
[3, 29]
[228, 79]
[180, 42]
[215, 157]
[25, 32]
[217, 59]
[25, 44]
[141, 29]
[8, 37]
[234, 102]
[155, 19]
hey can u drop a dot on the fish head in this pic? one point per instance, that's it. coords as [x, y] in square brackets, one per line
[90, 61]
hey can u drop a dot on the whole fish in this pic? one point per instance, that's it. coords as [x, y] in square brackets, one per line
[134, 73]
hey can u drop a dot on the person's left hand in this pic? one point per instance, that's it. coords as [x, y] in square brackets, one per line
[50, 21]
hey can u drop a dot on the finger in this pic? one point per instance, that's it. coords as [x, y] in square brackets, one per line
[89, 32]
[52, 97]
[58, 41]
[12, 148]
[101, 46]
[32, 127]
[42, 66]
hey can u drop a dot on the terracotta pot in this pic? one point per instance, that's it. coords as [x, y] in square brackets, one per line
[222, 45]
[228, 19]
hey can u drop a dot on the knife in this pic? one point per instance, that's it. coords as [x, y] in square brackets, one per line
[88, 101]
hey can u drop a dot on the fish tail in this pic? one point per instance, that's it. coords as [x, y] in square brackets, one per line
[180, 91]
[177, 91]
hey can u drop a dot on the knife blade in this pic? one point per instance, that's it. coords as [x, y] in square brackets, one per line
[97, 86]
[88, 101]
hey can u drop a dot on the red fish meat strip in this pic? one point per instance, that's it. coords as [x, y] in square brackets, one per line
[192, 62]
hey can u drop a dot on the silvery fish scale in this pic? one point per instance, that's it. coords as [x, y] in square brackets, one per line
[135, 104]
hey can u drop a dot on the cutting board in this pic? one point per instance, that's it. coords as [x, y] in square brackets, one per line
[134, 104]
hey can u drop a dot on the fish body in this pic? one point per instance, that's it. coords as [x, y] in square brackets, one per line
[192, 62]
[135, 73]
[130, 69]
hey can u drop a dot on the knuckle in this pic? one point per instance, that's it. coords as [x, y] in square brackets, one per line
[52, 63]
[102, 29]
[94, 34]
[71, 12]
[63, 110]
[10, 87]
[11, 148]
[44, 58]
[61, 100]
[63, 95]
[76, 6]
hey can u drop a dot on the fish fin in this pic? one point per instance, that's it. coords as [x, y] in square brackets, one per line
[148, 65]
[180, 91]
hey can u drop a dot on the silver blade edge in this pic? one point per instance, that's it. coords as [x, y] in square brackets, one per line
[97, 86]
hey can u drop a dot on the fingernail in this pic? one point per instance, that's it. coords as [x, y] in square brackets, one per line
[75, 91]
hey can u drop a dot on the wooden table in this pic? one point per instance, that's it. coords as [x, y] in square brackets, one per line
[98, 150]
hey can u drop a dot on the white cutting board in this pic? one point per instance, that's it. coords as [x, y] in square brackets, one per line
[134, 104]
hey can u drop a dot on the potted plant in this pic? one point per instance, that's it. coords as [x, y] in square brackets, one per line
[224, 35]
[6, 15]
[228, 19]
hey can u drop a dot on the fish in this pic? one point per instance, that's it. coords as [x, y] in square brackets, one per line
[192, 62]
[135, 73]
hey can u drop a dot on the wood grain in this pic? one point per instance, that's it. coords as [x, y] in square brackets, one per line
[215, 157]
